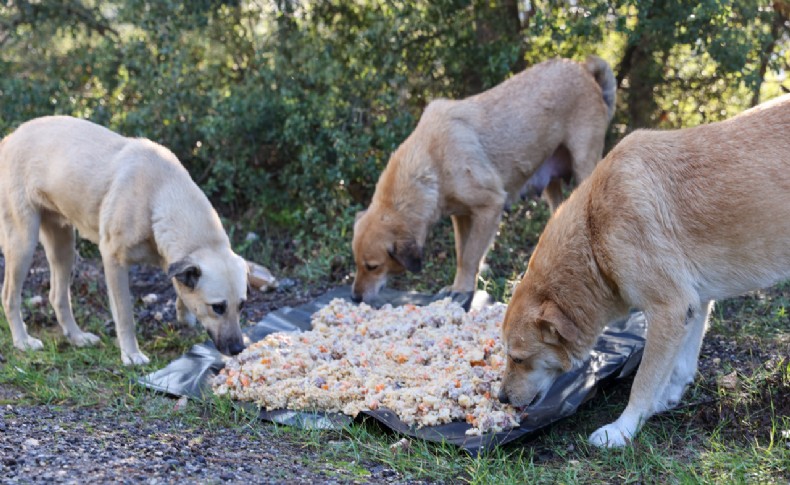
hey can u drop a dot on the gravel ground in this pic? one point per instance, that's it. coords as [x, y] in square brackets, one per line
[52, 444]
[63, 444]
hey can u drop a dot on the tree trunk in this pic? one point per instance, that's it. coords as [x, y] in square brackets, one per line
[781, 10]
[496, 24]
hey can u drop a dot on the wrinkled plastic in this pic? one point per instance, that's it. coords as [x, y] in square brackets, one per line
[616, 354]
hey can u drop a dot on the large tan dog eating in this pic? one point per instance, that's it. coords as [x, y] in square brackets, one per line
[667, 223]
[135, 200]
[469, 158]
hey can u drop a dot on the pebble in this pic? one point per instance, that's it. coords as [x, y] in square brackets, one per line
[50, 444]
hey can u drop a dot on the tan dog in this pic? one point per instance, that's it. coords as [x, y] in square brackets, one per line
[668, 222]
[470, 158]
[135, 200]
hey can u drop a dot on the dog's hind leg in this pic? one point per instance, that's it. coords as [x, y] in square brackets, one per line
[117, 277]
[19, 245]
[553, 194]
[59, 244]
[586, 150]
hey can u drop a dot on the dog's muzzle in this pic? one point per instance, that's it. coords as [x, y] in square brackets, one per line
[235, 348]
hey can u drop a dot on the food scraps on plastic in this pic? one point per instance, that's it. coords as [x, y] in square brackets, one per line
[430, 365]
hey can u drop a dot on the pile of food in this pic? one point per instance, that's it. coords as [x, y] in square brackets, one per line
[430, 365]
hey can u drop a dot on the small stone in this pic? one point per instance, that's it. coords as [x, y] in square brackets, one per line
[36, 300]
[31, 443]
[181, 403]
[404, 444]
[150, 298]
[730, 381]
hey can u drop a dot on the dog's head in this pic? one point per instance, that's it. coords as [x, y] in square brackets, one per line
[213, 286]
[536, 334]
[382, 245]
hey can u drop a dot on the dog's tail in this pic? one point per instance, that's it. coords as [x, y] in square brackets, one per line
[605, 78]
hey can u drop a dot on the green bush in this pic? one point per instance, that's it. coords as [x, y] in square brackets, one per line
[286, 112]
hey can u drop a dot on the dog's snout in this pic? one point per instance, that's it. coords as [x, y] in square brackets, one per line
[356, 298]
[235, 348]
[503, 397]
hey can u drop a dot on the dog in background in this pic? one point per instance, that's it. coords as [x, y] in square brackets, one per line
[135, 200]
[470, 158]
[667, 223]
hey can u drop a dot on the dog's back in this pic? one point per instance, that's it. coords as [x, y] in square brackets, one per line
[67, 166]
[521, 122]
[709, 202]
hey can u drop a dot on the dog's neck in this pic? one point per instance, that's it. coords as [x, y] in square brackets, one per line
[411, 189]
[575, 280]
[182, 228]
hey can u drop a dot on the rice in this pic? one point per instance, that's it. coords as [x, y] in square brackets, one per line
[429, 365]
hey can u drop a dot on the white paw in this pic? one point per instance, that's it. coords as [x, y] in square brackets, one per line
[674, 392]
[611, 436]
[136, 358]
[83, 339]
[29, 343]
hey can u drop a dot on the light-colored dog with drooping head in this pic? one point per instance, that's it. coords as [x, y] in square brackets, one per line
[471, 158]
[135, 200]
[667, 223]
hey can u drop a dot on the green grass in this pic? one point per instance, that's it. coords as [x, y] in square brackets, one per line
[718, 434]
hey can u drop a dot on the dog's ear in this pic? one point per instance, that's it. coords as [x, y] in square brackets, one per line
[555, 325]
[186, 272]
[408, 254]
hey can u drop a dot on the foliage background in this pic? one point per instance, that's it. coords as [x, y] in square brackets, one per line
[286, 111]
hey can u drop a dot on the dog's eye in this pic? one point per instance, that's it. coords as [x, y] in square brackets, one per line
[219, 308]
[371, 267]
[516, 361]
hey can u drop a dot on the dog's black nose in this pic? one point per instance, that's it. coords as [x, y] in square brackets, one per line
[356, 298]
[235, 348]
[503, 398]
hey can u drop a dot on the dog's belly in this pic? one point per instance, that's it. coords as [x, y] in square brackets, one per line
[67, 213]
[558, 165]
[727, 281]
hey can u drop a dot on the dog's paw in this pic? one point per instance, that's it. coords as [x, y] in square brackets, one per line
[611, 436]
[29, 343]
[463, 298]
[136, 358]
[84, 339]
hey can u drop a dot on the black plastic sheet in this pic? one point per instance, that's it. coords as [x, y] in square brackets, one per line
[616, 354]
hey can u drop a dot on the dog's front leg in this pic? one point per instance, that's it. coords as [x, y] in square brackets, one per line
[121, 305]
[473, 236]
[663, 343]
